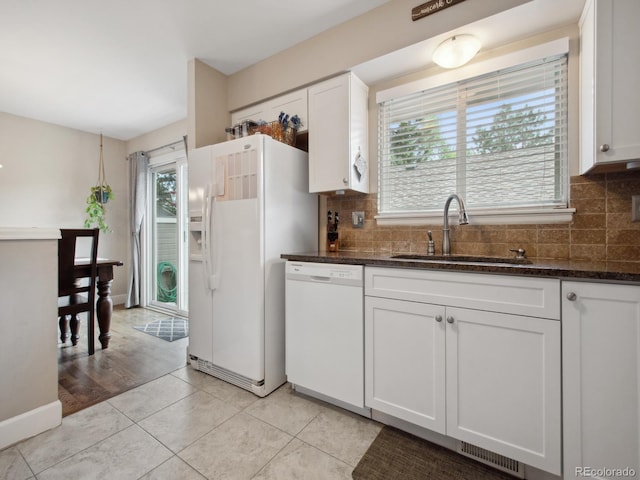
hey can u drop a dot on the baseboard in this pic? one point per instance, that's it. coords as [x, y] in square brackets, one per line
[119, 299]
[28, 424]
[364, 411]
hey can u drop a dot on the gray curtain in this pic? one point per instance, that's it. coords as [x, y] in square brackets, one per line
[138, 163]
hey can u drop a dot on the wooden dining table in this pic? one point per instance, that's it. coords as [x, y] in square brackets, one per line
[104, 303]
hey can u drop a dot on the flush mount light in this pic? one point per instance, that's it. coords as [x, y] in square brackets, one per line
[456, 51]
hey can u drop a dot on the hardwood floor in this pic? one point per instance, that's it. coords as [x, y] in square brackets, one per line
[132, 359]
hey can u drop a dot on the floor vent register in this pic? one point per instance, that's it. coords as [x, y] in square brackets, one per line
[492, 459]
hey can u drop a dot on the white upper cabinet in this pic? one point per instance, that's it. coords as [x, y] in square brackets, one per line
[292, 103]
[338, 136]
[609, 71]
[253, 113]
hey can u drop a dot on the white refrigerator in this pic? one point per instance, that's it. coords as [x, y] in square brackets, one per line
[249, 202]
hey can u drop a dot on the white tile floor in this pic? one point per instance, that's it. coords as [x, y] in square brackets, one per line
[189, 425]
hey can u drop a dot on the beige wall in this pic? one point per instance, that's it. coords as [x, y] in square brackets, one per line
[162, 136]
[29, 375]
[382, 30]
[364, 38]
[46, 176]
[207, 110]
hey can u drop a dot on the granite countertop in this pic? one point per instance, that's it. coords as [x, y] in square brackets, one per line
[588, 270]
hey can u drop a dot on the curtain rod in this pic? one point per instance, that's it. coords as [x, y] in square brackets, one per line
[164, 146]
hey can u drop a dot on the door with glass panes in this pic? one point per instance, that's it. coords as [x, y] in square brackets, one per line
[167, 226]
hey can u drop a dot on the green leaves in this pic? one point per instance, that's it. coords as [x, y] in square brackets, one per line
[417, 141]
[96, 207]
[514, 129]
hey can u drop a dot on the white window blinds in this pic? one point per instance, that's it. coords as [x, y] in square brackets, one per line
[499, 140]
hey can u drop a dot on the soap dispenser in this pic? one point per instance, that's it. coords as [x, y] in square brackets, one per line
[431, 246]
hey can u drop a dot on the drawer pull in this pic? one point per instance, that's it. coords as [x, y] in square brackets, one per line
[571, 296]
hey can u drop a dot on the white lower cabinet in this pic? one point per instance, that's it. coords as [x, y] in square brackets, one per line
[601, 380]
[404, 361]
[489, 378]
[503, 384]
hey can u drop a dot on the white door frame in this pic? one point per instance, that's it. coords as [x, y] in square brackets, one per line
[177, 160]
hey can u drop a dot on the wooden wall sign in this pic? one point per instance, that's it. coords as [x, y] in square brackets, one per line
[432, 6]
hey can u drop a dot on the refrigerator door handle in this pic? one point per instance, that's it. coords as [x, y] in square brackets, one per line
[206, 234]
[210, 250]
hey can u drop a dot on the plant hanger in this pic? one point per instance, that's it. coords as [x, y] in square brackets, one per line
[101, 183]
[100, 194]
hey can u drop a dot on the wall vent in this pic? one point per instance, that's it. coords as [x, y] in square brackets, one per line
[495, 460]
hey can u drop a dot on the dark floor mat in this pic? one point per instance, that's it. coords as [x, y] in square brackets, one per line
[168, 329]
[398, 455]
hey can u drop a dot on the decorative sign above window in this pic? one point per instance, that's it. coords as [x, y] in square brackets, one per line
[432, 6]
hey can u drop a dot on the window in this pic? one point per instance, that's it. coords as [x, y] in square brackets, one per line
[499, 140]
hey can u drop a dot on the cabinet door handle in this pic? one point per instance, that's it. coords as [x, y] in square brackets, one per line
[449, 319]
[345, 181]
[571, 296]
[438, 318]
[604, 147]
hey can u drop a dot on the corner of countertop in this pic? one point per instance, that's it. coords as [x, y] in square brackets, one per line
[29, 233]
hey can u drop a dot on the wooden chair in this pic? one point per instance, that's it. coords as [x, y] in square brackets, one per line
[73, 296]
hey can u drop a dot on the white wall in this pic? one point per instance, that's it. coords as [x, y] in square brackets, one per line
[46, 176]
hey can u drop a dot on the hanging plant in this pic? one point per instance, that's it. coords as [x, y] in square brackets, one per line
[100, 194]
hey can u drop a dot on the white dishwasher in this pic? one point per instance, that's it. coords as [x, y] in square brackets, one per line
[325, 332]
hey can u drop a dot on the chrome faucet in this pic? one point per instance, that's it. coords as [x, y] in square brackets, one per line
[462, 220]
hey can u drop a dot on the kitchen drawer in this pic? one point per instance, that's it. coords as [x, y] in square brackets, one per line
[536, 297]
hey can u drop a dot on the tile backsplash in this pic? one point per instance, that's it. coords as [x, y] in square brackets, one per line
[601, 229]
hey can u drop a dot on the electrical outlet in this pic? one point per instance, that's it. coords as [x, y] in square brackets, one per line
[635, 208]
[357, 219]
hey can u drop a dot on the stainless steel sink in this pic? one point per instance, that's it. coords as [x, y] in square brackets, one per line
[464, 258]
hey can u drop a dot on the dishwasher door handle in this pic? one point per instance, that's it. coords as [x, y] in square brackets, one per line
[318, 278]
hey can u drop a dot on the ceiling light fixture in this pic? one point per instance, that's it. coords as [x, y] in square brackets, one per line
[456, 51]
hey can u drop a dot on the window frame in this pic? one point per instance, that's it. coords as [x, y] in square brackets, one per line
[498, 215]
